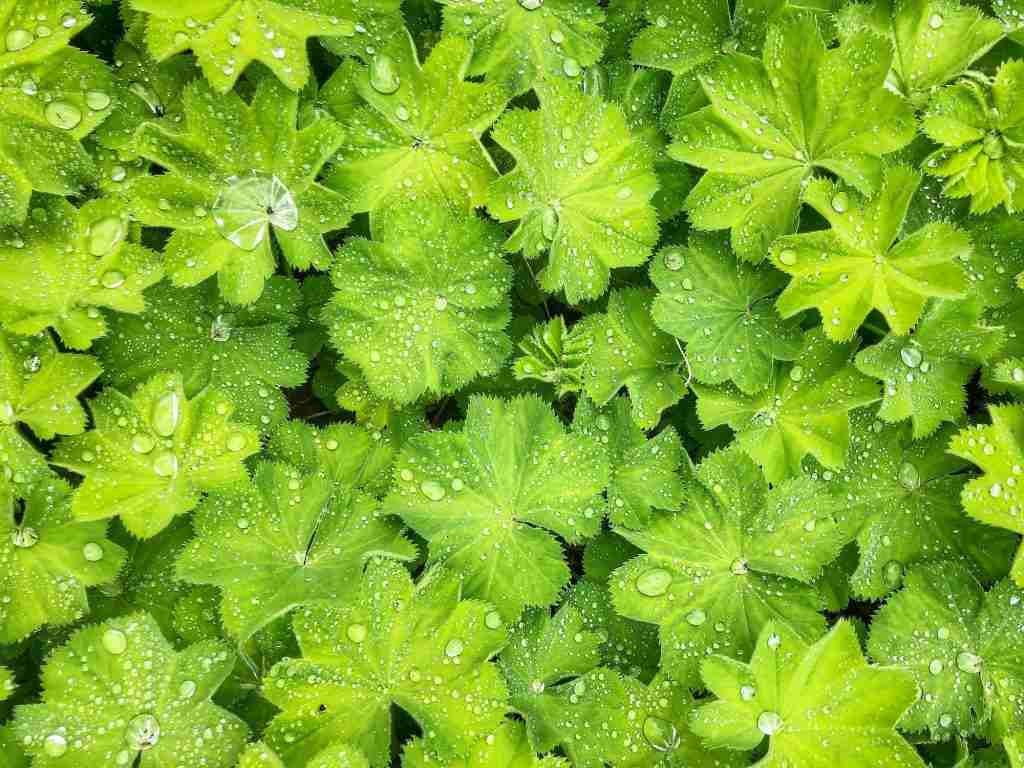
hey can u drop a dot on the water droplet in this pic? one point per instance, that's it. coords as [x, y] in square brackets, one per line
[674, 260]
[696, 617]
[331, 444]
[660, 734]
[112, 279]
[384, 74]
[590, 155]
[945, 721]
[909, 477]
[995, 491]
[747, 692]
[796, 373]
[7, 415]
[935, 21]
[402, 112]
[18, 40]
[278, 52]
[187, 689]
[911, 356]
[63, 115]
[654, 582]
[143, 443]
[92, 552]
[769, 723]
[245, 210]
[571, 67]
[97, 100]
[549, 223]
[453, 648]
[166, 464]
[55, 745]
[115, 641]
[220, 329]
[840, 202]
[557, 37]
[142, 732]
[492, 620]
[537, 686]
[935, 667]
[768, 155]
[787, 256]
[356, 633]
[105, 234]
[236, 442]
[24, 537]
[166, 414]
[1018, 375]
[969, 662]
[531, 5]
[892, 572]
[739, 567]
[432, 489]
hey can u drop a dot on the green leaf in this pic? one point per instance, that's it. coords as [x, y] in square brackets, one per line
[629, 351]
[737, 557]
[489, 498]
[979, 126]
[237, 172]
[802, 412]
[507, 747]
[227, 35]
[995, 498]
[282, 540]
[244, 352]
[819, 705]
[964, 646]
[54, 96]
[338, 755]
[415, 129]
[47, 559]
[149, 456]
[580, 190]
[65, 264]
[521, 44]
[1011, 13]
[422, 308]
[770, 125]
[117, 693]
[723, 309]
[907, 495]
[934, 41]
[997, 258]
[858, 264]
[554, 354]
[925, 376]
[392, 643]
[643, 473]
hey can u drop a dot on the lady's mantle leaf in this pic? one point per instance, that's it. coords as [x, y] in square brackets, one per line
[488, 499]
[581, 190]
[643, 474]
[723, 309]
[423, 308]
[245, 352]
[284, 539]
[417, 131]
[337, 755]
[925, 375]
[964, 646]
[858, 265]
[118, 692]
[907, 495]
[521, 43]
[771, 124]
[629, 351]
[53, 97]
[996, 498]
[737, 557]
[47, 559]
[819, 706]
[418, 647]
[64, 264]
[237, 172]
[227, 35]
[150, 455]
[507, 747]
[803, 411]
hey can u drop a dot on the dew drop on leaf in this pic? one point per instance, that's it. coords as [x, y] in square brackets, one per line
[356, 633]
[840, 202]
[660, 733]
[18, 40]
[105, 234]
[166, 415]
[654, 582]
[63, 115]
[432, 489]
[454, 648]
[143, 444]
[55, 745]
[969, 662]
[788, 257]
[248, 206]
[92, 552]
[909, 477]
[769, 723]
[142, 733]
[115, 641]
[384, 74]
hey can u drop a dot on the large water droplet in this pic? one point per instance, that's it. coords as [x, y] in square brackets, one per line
[769, 723]
[696, 617]
[187, 689]
[142, 732]
[549, 223]
[245, 210]
[55, 745]
[356, 633]
[909, 477]
[654, 582]
[63, 115]
[911, 356]
[531, 5]
[840, 202]
[787, 256]
[166, 464]
[454, 648]
[115, 641]
[571, 67]
[492, 620]
[143, 444]
[166, 415]
[432, 489]
[7, 415]
[220, 328]
[892, 572]
[236, 442]
[18, 40]
[112, 278]
[97, 100]
[935, 21]
[92, 552]
[384, 74]
[105, 234]
[660, 733]
[969, 662]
